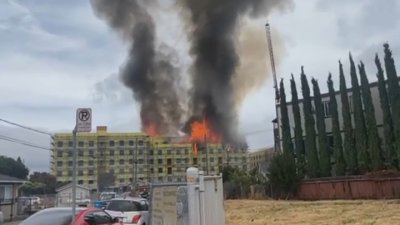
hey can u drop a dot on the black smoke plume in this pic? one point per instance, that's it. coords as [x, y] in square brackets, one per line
[212, 28]
[148, 70]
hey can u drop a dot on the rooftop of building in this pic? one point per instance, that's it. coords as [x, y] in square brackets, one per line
[157, 141]
[8, 179]
[261, 149]
[101, 130]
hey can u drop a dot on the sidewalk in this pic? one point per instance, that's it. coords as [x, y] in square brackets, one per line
[16, 220]
[12, 223]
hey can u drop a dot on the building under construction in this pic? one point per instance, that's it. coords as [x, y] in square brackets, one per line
[122, 159]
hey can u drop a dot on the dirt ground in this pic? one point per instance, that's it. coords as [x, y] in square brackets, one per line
[263, 212]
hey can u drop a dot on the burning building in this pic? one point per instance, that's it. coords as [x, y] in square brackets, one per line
[131, 158]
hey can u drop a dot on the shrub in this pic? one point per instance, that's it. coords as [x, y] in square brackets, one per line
[283, 176]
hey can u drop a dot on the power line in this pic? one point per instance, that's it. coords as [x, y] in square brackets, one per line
[22, 142]
[25, 127]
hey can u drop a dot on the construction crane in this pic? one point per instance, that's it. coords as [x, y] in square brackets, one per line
[277, 99]
[271, 56]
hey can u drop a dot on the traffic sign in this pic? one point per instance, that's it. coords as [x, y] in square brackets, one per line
[83, 120]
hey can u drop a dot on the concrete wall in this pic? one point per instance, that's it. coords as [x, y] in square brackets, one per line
[350, 188]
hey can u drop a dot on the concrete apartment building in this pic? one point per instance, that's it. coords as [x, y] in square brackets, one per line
[328, 120]
[260, 157]
[135, 157]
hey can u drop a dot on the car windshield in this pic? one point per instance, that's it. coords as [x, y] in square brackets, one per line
[106, 197]
[124, 206]
[50, 217]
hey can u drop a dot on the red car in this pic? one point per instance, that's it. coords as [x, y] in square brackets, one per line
[62, 216]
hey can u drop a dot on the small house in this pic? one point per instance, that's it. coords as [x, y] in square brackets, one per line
[8, 195]
[64, 196]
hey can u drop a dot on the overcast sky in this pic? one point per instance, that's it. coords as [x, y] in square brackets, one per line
[57, 56]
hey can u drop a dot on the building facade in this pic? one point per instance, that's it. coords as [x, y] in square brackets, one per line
[259, 157]
[135, 157]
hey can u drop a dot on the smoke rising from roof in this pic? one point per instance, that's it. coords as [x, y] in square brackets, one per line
[149, 71]
[213, 30]
[226, 65]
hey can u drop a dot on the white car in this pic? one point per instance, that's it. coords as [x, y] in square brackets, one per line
[129, 210]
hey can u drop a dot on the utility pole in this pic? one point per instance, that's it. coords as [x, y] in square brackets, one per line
[228, 160]
[135, 174]
[207, 163]
[277, 97]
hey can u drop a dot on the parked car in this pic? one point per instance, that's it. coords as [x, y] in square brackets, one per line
[104, 199]
[144, 194]
[1, 217]
[62, 216]
[130, 210]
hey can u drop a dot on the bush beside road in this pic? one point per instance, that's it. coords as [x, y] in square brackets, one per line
[239, 212]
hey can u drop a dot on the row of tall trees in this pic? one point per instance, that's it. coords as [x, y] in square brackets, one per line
[357, 147]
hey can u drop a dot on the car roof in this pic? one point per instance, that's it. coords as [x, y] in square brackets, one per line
[129, 199]
[57, 209]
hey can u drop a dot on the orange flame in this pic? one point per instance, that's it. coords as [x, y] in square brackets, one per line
[151, 130]
[201, 132]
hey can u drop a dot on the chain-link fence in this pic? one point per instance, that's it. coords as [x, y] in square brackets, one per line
[27, 205]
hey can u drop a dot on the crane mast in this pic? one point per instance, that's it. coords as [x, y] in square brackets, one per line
[277, 141]
[271, 56]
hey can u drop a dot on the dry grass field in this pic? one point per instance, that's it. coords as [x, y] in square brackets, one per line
[263, 212]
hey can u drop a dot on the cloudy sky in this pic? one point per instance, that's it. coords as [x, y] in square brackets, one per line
[57, 56]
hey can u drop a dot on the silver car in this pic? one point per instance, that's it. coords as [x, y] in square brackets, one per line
[129, 210]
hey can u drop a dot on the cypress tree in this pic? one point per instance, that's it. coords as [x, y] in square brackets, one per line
[349, 145]
[286, 136]
[324, 153]
[298, 130]
[359, 120]
[310, 145]
[390, 145]
[394, 94]
[374, 141]
[340, 164]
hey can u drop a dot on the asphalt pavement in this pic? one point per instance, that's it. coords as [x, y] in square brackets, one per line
[12, 223]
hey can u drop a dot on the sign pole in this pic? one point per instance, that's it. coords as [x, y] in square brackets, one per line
[74, 176]
[83, 124]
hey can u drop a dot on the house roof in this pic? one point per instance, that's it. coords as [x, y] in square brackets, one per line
[70, 185]
[8, 179]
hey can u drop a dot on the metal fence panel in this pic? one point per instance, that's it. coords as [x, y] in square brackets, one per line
[214, 200]
[168, 204]
[27, 205]
[200, 201]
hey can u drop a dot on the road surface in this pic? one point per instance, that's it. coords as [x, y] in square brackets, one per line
[12, 223]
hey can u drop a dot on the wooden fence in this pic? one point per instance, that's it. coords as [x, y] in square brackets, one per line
[349, 188]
